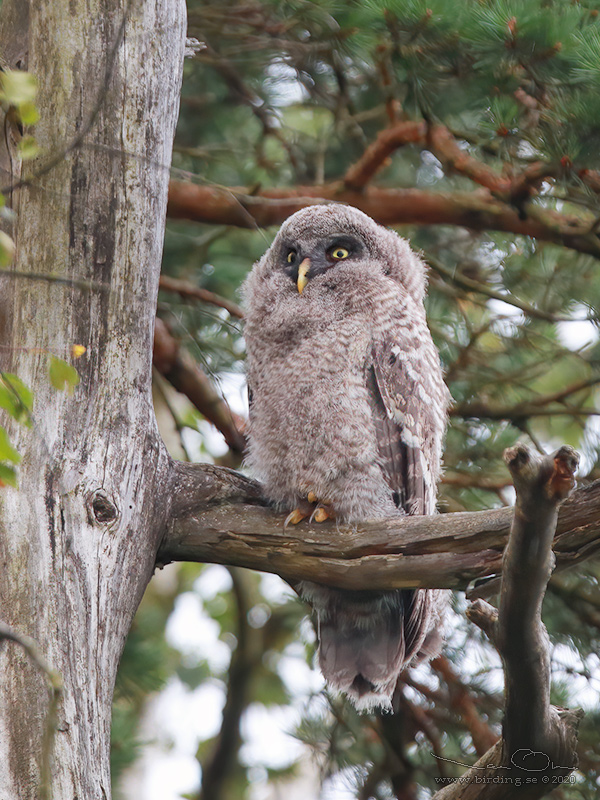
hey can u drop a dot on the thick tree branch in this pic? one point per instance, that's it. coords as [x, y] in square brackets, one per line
[530, 722]
[539, 741]
[478, 210]
[218, 516]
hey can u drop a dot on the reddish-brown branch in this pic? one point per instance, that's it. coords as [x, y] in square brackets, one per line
[443, 144]
[478, 210]
[185, 289]
[185, 376]
[462, 702]
[374, 157]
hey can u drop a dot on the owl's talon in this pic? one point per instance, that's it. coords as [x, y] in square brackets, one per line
[294, 518]
[311, 497]
[321, 514]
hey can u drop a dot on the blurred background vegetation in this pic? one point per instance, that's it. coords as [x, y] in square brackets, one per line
[491, 167]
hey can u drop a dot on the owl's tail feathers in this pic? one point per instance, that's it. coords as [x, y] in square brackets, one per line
[363, 647]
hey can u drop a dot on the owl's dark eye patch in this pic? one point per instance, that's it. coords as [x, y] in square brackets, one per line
[343, 247]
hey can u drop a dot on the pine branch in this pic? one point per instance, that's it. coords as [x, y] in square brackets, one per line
[186, 289]
[478, 210]
[184, 375]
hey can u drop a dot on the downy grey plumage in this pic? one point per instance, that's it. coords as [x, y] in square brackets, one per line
[348, 403]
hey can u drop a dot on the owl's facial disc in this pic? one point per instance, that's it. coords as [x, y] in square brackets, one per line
[312, 258]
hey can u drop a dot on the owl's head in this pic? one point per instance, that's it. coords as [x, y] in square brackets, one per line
[335, 239]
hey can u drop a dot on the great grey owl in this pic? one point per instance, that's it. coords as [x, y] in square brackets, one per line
[347, 416]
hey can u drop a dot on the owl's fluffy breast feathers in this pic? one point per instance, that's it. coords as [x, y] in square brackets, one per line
[312, 424]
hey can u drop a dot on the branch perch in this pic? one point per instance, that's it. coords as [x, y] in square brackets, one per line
[219, 516]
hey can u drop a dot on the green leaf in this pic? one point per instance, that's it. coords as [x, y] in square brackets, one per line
[28, 148]
[7, 249]
[29, 113]
[15, 397]
[17, 87]
[63, 376]
[8, 476]
[7, 451]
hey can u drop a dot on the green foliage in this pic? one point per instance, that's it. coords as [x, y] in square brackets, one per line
[7, 249]
[15, 397]
[63, 376]
[17, 400]
[18, 90]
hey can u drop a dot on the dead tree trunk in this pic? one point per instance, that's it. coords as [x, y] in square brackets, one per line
[78, 538]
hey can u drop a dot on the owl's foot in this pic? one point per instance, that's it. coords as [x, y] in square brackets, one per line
[296, 516]
[312, 508]
[303, 510]
[322, 512]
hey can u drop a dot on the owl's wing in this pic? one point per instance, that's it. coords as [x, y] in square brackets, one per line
[400, 410]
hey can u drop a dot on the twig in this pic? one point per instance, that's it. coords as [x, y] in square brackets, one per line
[53, 277]
[182, 372]
[55, 688]
[535, 407]
[186, 289]
[476, 286]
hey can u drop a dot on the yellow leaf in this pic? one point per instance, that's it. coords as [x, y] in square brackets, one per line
[77, 350]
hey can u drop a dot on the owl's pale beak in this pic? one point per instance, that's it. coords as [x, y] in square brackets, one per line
[302, 274]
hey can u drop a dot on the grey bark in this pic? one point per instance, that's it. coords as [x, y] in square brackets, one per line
[218, 516]
[78, 539]
[539, 742]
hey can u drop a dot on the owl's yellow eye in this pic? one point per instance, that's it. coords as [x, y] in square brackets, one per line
[339, 253]
[291, 257]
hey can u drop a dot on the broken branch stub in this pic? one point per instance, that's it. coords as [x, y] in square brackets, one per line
[539, 741]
